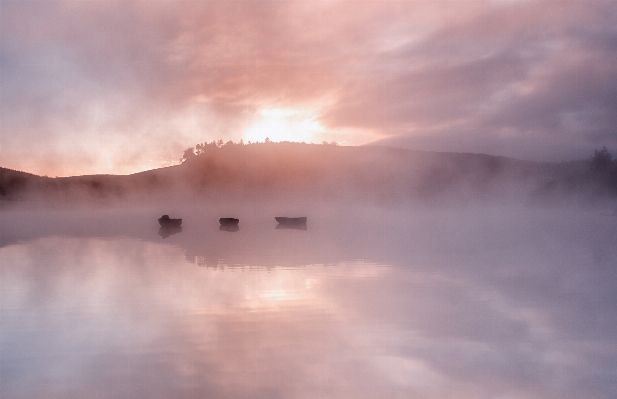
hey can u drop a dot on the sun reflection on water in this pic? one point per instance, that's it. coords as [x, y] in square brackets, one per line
[118, 315]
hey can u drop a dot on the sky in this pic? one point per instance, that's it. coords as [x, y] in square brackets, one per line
[123, 86]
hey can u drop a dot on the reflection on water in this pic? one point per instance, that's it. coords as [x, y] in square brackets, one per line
[166, 231]
[294, 223]
[232, 228]
[522, 309]
[296, 226]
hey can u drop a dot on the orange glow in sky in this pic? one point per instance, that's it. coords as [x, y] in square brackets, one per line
[279, 124]
[106, 87]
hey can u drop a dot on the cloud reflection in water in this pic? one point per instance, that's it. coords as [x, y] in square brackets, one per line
[131, 318]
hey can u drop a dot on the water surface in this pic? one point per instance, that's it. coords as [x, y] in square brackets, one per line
[363, 304]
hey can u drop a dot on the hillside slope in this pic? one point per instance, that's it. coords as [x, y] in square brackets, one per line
[280, 171]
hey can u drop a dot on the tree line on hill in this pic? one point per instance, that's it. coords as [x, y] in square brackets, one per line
[220, 171]
[201, 148]
[593, 178]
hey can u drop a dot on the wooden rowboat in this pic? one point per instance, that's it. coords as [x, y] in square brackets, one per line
[229, 221]
[166, 221]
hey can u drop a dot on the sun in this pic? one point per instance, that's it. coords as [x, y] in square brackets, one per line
[280, 124]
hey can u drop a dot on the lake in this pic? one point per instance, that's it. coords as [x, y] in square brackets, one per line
[493, 302]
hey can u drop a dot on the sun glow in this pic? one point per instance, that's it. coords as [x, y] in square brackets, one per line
[279, 124]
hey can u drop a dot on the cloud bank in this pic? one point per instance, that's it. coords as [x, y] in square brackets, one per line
[118, 87]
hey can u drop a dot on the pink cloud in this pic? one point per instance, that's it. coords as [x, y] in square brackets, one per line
[121, 77]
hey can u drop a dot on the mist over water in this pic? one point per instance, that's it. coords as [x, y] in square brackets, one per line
[419, 274]
[367, 302]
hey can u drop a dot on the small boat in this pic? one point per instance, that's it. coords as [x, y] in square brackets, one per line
[290, 221]
[229, 221]
[166, 221]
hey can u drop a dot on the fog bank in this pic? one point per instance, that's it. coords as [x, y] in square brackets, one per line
[295, 173]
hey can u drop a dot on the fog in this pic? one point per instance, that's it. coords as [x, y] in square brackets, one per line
[294, 175]
[378, 233]
[416, 275]
[428, 301]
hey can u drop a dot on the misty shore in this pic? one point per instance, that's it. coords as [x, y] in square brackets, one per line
[299, 173]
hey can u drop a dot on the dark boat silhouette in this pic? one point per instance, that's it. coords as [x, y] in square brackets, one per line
[290, 221]
[298, 223]
[166, 221]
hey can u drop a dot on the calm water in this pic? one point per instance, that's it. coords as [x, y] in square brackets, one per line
[485, 303]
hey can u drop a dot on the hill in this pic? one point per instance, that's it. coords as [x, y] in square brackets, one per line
[308, 172]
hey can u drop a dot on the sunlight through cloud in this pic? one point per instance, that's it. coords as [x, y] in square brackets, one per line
[278, 124]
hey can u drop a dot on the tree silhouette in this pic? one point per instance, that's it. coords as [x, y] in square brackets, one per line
[188, 153]
[602, 160]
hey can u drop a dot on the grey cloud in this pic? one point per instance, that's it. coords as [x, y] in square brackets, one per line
[541, 73]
